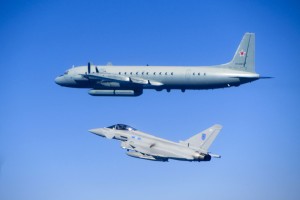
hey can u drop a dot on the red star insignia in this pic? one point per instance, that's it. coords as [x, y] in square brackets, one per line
[242, 53]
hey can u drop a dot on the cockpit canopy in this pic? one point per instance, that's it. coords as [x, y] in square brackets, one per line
[123, 127]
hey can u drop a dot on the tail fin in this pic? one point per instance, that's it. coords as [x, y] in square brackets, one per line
[205, 138]
[245, 54]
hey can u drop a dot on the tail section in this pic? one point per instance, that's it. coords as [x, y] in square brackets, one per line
[205, 138]
[244, 57]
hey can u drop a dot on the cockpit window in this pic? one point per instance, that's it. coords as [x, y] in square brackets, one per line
[122, 127]
[66, 72]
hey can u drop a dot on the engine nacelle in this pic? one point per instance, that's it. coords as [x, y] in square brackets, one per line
[115, 92]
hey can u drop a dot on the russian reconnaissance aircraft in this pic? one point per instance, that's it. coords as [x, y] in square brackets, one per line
[132, 80]
[146, 146]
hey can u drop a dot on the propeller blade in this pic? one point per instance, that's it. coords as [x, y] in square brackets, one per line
[89, 67]
[97, 69]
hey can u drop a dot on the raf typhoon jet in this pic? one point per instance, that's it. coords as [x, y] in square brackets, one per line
[145, 146]
[132, 80]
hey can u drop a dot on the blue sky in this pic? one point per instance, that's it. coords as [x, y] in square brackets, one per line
[45, 149]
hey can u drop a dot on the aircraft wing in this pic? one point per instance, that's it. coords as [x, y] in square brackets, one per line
[140, 146]
[120, 78]
[106, 76]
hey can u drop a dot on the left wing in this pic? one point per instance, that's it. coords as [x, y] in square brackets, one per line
[139, 146]
[142, 150]
[106, 76]
[120, 78]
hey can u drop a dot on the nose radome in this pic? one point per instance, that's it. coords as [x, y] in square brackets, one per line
[97, 131]
[93, 130]
[58, 80]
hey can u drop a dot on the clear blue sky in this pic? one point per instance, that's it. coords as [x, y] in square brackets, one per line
[45, 149]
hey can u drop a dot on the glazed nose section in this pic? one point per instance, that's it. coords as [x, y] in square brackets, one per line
[59, 80]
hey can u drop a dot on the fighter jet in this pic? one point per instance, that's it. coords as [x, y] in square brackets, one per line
[132, 80]
[145, 146]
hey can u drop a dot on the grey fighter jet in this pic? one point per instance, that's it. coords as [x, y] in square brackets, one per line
[146, 146]
[132, 80]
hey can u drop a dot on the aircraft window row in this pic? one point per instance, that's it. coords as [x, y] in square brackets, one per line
[146, 73]
[154, 73]
[199, 74]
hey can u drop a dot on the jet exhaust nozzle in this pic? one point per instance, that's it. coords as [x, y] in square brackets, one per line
[202, 157]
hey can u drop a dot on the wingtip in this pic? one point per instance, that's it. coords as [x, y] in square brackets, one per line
[218, 126]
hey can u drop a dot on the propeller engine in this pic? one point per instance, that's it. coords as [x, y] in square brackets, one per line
[89, 68]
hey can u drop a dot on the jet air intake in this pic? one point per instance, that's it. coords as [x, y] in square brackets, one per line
[116, 92]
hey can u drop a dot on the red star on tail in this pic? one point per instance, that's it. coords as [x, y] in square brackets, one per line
[242, 53]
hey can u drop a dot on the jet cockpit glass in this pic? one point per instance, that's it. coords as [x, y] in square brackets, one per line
[122, 127]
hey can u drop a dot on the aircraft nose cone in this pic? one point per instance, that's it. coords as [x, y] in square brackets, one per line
[94, 131]
[58, 80]
[97, 131]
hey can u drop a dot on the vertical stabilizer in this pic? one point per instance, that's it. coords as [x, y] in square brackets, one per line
[245, 54]
[205, 138]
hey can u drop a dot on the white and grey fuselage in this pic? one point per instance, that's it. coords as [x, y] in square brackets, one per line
[132, 80]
